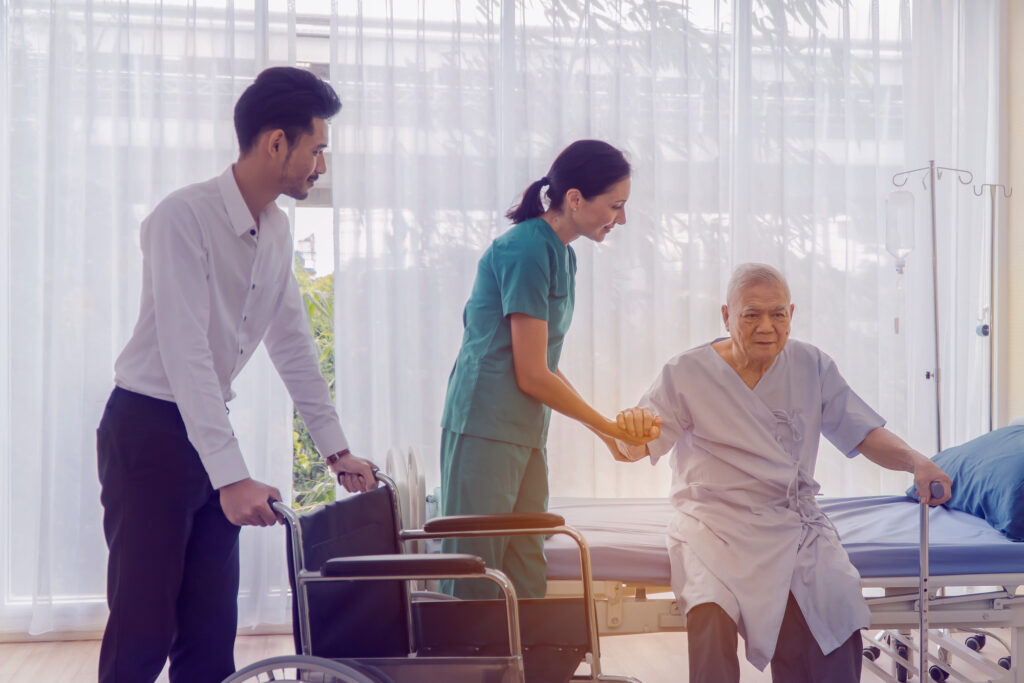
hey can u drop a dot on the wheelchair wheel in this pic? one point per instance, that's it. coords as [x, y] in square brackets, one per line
[300, 669]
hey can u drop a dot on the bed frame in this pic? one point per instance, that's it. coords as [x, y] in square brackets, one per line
[635, 608]
[969, 604]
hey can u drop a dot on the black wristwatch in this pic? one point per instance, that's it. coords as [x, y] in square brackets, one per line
[335, 457]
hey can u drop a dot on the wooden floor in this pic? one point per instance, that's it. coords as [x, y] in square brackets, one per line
[653, 658]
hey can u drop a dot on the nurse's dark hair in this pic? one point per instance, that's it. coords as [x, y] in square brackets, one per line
[283, 97]
[590, 166]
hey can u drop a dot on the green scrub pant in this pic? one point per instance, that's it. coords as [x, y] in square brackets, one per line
[480, 476]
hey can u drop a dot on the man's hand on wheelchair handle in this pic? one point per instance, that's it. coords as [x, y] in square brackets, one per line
[354, 473]
[247, 503]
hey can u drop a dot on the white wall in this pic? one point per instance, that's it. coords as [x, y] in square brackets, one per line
[1015, 206]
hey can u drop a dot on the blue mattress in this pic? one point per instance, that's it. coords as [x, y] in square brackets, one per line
[880, 533]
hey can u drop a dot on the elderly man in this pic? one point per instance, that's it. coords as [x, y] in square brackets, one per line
[751, 551]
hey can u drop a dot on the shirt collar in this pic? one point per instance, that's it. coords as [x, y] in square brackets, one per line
[241, 220]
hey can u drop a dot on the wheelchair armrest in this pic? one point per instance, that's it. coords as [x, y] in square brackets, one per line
[420, 566]
[496, 522]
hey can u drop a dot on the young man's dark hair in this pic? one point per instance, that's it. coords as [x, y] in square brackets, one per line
[283, 97]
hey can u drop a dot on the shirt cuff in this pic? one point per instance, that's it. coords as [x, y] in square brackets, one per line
[330, 439]
[226, 466]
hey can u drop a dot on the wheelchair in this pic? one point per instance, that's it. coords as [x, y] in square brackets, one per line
[355, 619]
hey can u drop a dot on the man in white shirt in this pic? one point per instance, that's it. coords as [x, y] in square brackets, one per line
[217, 280]
[751, 551]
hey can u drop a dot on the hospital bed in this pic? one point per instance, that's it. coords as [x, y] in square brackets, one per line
[974, 577]
[975, 573]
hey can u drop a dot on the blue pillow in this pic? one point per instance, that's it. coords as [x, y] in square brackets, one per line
[988, 478]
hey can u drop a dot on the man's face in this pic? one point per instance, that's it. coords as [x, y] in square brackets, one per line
[759, 321]
[305, 162]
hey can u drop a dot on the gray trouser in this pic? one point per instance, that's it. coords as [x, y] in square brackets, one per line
[712, 640]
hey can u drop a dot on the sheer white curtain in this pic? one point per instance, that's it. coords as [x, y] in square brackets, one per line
[762, 130]
[758, 129]
[106, 107]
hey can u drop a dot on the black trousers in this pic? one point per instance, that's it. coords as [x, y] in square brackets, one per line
[712, 640]
[172, 572]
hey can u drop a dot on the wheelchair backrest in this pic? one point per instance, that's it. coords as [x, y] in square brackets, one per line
[352, 619]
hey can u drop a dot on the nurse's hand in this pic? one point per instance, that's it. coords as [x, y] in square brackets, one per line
[640, 425]
[636, 452]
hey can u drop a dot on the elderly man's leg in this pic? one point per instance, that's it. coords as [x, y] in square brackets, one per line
[711, 643]
[798, 658]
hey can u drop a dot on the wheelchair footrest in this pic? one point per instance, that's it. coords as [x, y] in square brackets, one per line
[553, 630]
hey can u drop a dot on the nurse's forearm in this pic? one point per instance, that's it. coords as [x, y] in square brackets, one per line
[535, 379]
[553, 390]
[598, 432]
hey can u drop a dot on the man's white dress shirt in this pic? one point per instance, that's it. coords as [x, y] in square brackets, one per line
[215, 283]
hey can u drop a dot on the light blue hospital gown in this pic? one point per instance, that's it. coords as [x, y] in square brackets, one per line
[747, 529]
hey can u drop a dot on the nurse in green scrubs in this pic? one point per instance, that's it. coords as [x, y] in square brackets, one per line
[506, 379]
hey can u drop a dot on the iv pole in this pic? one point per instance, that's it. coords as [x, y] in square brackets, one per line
[965, 178]
[985, 330]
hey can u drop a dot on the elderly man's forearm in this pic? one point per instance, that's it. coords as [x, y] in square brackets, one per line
[887, 450]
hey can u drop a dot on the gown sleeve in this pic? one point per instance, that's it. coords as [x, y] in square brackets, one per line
[667, 398]
[845, 417]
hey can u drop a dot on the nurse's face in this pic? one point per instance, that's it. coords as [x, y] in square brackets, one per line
[758, 321]
[595, 217]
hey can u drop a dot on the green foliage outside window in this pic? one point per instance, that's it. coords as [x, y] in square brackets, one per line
[312, 482]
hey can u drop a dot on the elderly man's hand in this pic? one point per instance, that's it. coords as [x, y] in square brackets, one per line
[639, 425]
[925, 472]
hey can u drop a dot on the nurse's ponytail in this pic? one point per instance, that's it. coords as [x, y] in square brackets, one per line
[530, 206]
[590, 166]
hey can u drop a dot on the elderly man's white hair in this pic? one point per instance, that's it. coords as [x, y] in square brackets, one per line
[750, 274]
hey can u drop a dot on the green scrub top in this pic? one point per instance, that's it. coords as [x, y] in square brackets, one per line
[526, 270]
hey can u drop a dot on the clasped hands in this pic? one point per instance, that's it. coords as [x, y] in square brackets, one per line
[634, 427]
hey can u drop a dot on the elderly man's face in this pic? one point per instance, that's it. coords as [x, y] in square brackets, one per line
[759, 321]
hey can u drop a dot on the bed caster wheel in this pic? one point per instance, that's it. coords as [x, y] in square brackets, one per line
[871, 653]
[975, 642]
[903, 652]
[937, 673]
[1005, 662]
